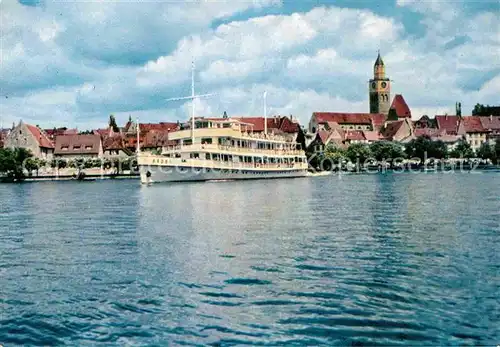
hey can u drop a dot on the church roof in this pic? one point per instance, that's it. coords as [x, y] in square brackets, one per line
[379, 60]
[400, 106]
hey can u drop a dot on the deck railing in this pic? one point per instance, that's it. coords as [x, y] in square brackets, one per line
[229, 149]
[146, 160]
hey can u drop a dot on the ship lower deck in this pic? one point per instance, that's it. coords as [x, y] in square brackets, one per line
[158, 174]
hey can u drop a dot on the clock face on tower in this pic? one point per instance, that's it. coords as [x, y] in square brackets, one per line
[374, 85]
[384, 84]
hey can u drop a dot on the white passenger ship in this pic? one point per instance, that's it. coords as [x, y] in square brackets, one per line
[223, 149]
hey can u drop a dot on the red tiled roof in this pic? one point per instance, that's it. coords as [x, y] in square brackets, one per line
[447, 138]
[154, 138]
[343, 118]
[77, 144]
[392, 128]
[323, 135]
[491, 123]
[153, 126]
[355, 135]
[158, 126]
[448, 124]
[428, 132]
[473, 125]
[400, 106]
[378, 120]
[281, 123]
[113, 142]
[371, 135]
[288, 126]
[40, 136]
[102, 132]
[52, 133]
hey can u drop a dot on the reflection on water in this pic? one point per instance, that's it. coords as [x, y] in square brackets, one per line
[408, 259]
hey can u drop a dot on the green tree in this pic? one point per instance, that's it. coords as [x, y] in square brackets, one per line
[496, 152]
[358, 153]
[334, 152]
[486, 151]
[112, 123]
[13, 161]
[423, 147]
[462, 150]
[32, 164]
[478, 110]
[386, 150]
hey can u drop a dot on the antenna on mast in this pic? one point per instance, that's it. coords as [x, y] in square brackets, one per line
[265, 113]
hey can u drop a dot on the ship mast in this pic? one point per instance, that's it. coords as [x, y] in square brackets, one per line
[192, 102]
[137, 134]
[192, 97]
[265, 113]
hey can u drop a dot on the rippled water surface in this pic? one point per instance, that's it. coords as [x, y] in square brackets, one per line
[396, 259]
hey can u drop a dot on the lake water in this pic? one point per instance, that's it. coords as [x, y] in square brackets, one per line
[388, 259]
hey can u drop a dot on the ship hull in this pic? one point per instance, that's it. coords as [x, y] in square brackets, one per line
[162, 174]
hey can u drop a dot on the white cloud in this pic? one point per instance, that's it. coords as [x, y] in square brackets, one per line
[127, 58]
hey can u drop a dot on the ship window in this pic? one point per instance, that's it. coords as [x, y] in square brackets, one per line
[206, 141]
[226, 125]
[207, 156]
[194, 155]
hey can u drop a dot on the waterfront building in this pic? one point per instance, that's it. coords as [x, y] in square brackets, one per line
[473, 131]
[32, 138]
[3, 136]
[114, 148]
[346, 121]
[492, 124]
[400, 130]
[80, 146]
[448, 123]
[425, 122]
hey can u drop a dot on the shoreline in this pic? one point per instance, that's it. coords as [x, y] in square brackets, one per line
[311, 173]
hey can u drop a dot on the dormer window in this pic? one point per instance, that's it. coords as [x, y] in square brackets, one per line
[88, 148]
[76, 147]
[64, 148]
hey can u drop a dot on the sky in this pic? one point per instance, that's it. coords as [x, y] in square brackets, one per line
[73, 63]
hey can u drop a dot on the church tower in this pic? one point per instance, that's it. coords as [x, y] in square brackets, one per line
[380, 89]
